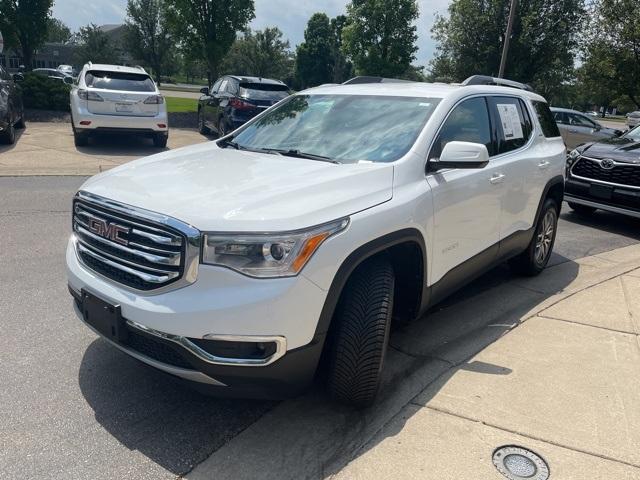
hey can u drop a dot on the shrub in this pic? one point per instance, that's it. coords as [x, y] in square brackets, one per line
[44, 93]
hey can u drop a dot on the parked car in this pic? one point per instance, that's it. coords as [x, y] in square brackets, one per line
[633, 119]
[577, 128]
[113, 98]
[67, 69]
[233, 100]
[54, 74]
[606, 175]
[244, 263]
[592, 113]
[11, 107]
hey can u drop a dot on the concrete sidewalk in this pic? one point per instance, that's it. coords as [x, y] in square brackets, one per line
[549, 363]
[47, 148]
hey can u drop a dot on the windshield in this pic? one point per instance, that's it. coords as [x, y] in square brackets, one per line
[633, 134]
[345, 128]
[129, 82]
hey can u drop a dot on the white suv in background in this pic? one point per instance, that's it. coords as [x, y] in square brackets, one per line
[113, 98]
[250, 264]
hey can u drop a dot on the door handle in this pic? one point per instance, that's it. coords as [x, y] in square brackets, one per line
[573, 131]
[544, 164]
[497, 178]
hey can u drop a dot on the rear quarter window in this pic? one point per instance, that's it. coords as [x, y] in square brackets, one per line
[545, 117]
[512, 121]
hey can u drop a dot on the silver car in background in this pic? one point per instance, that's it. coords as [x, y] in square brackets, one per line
[578, 128]
[633, 119]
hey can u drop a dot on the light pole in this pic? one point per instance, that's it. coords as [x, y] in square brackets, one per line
[507, 37]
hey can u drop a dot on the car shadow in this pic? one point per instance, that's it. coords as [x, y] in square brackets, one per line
[116, 144]
[177, 428]
[611, 222]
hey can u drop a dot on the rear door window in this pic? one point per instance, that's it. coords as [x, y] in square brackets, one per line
[467, 122]
[128, 82]
[513, 123]
[547, 122]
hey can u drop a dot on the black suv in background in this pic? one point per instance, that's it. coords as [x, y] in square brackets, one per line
[234, 100]
[605, 175]
[11, 108]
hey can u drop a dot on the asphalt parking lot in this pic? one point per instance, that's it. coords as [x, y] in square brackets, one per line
[75, 408]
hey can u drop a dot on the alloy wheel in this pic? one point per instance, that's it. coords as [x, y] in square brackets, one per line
[545, 237]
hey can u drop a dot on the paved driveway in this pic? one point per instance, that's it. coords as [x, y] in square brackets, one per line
[73, 407]
[45, 148]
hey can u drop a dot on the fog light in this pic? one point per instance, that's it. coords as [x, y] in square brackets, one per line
[517, 463]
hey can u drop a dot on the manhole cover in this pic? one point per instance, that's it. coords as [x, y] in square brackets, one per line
[517, 463]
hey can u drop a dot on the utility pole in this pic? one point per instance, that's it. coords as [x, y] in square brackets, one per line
[507, 37]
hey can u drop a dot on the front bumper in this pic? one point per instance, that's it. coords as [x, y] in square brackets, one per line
[625, 201]
[221, 305]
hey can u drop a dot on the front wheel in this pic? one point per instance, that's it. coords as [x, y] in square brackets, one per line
[8, 136]
[202, 127]
[361, 334]
[535, 258]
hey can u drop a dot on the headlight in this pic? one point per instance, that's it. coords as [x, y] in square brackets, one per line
[572, 157]
[264, 254]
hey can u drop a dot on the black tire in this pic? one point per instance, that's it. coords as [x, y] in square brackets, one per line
[202, 128]
[80, 139]
[360, 334]
[581, 209]
[8, 135]
[160, 140]
[535, 258]
[222, 127]
[20, 124]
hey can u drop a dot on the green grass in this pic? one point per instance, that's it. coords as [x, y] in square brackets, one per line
[175, 104]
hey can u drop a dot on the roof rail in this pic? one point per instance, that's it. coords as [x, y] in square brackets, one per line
[369, 79]
[487, 80]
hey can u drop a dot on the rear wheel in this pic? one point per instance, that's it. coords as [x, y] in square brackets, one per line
[160, 140]
[361, 334]
[535, 258]
[20, 123]
[581, 209]
[8, 135]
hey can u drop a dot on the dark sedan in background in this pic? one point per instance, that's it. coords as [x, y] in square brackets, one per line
[11, 107]
[605, 175]
[233, 100]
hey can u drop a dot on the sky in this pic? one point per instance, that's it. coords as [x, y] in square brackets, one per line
[290, 16]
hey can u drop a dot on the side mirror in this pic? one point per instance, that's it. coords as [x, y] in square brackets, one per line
[204, 90]
[461, 155]
[68, 80]
[18, 77]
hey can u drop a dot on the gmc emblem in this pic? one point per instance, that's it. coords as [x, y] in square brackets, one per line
[111, 231]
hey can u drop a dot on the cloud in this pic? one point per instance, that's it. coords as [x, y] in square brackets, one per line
[290, 16]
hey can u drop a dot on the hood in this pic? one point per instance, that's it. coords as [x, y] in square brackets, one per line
[620, 149]
[217, 189]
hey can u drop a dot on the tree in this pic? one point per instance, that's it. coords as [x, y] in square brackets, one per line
[147, 37]
[57, 31]
[209, 26]
[263, 53]
[612, 50]
[342, 68]
[94, 45]
[314, 55]
[380, 36]
[24, 25]
[543, 44]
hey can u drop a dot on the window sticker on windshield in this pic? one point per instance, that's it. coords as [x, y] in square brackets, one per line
[510, 120]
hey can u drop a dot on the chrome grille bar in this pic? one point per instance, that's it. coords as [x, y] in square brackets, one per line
[139, 249]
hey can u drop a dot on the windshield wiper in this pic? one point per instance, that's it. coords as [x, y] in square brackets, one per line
[227, 142]
[299, 154]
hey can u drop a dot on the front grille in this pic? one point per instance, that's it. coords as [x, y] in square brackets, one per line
[619, 174]
[127, 249]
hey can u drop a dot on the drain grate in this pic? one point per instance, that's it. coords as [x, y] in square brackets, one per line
[518, 463]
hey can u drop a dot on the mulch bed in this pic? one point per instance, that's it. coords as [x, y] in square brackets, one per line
[176, 120]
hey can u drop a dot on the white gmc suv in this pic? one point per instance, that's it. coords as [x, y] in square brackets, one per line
[114, 98]
[285, 249]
